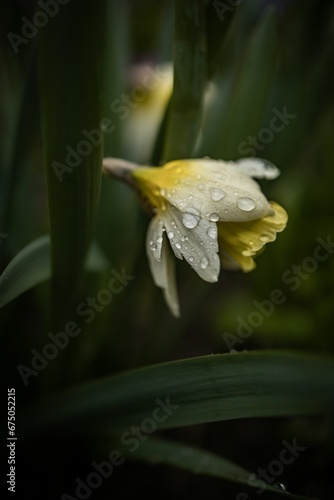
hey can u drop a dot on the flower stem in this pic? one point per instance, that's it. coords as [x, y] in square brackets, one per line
[189, 79]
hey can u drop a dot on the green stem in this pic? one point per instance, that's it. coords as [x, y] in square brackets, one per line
[70, 52]
[189, 79]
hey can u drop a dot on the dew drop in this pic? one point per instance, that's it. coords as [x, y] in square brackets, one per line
[189, 220]
[204, 263]
[170, 234]
[153, 247]
[264, 238]
[214, 217]
[190, 197]
[281, 486]
[246, 204]
[159, 239]
[217, 194]
[178, 246]
[200, 186]
[191, 259]
[212, 232]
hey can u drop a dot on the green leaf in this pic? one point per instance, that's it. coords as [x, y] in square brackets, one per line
[204, 389]
[189, 79]
[70, 71]
[242, 87]
[193, 459]
[32, 266]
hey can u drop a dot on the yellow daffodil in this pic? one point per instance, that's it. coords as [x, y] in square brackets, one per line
[202, 207]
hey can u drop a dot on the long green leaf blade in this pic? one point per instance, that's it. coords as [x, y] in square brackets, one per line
[189, 79]
[32, 265]
[70, 56]
[204, 389]
[243, 89]
[199, 461]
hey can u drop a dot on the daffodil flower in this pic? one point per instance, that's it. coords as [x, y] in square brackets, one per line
[210, 213]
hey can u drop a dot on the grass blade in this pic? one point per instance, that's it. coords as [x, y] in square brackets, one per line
[32, 266]
[189, 79]
[70, 53]
[199, 461]
[204, 389]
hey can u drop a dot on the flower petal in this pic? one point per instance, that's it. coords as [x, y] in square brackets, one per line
[195, 239]
[154, 237]
[214, 190]
[240, 242]
[257, 167]
[163, 271]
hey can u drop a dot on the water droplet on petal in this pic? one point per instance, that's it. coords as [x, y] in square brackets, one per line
[178, 246]
[212, 232]
[170, 234]
[204, 263]
[190, 197]
[190, 221]
[246, 204]
[217, 194]
[191, 259]
[200, 187]
[264, 238]
[159, 239]
[153, 247]
[214, 217]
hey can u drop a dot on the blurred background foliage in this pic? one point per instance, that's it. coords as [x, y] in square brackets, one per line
[257, 59]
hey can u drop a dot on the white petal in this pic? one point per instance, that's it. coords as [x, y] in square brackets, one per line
[257, 167]
[217, 190]
[163, 272]
[170, 288]
[197, 243]
[154, 238]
